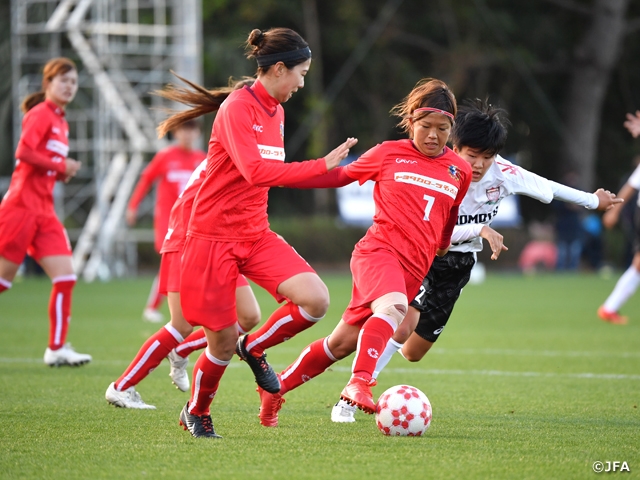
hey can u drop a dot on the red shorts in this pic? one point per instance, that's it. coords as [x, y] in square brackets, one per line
[374, 275]
[210, 270]
[23, 231]
[169, 276]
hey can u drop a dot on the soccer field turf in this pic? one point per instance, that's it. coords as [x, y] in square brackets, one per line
[525, 382]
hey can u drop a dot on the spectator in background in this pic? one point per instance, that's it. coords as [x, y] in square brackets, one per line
[568, 229]
[592, 246]
[170, 169]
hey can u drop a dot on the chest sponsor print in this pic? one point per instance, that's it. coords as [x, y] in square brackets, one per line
[427, 182]
[271, 153]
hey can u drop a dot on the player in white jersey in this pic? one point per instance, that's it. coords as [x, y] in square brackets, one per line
[478, 134]
[630, 279]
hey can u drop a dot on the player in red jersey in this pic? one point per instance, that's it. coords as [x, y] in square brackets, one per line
[229, 233]
[28, 222]
[177, 340]
[170, 168]
[420, 184]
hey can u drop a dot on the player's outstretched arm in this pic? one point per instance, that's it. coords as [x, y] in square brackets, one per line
[633, 123]
[610, 218]
[495, 240]
[606, 199]
[335, 156]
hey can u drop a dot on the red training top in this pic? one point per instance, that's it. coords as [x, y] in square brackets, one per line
[246, 157]
[179, 217]
[40, 159]
[171, 168]
[416, 197]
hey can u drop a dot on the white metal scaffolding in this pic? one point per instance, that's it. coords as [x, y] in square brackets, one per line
[124, 50]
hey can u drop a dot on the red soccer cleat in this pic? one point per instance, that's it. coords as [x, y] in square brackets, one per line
[270, 405]
[358, 393]
[612, 317]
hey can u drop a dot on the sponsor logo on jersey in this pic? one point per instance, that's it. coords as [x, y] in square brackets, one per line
[403, 160]
[55, 130]
[454, 172]
[493, 195]
[271, 153]
[56, 146]
[258, 128]
[477, 218]
[427, 182]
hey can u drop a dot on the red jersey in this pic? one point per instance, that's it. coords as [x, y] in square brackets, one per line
[171, 168]
[181, 211]
[246, 157]
[414, 196]
[40, 159]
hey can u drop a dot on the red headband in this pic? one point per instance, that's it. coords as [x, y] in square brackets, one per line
[437, 110]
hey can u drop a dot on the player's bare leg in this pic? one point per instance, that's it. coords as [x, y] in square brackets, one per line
[8, 271]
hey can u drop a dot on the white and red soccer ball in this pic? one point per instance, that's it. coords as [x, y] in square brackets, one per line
[403, 411]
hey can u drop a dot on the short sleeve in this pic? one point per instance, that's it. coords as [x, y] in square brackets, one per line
[368, 166]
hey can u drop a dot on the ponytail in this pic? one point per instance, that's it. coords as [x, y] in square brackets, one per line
[201, 101]
[31, 101]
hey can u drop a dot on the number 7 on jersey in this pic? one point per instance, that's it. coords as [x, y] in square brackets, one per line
[429, 206]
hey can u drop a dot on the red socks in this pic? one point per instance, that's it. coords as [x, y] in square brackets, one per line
[154, 350]
[284, 323]
[60, 309]
[206, 377]
[313, 360]
[372, 341]
[196, 341]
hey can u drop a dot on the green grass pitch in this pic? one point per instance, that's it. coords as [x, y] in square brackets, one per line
[525, 382]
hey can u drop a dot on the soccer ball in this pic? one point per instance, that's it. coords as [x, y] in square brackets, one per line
[403, 411]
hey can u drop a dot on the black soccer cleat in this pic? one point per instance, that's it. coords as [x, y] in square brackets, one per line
[266, 378]
[198, 425]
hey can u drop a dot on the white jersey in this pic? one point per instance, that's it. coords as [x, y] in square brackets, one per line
[480, 204]
[634, 181]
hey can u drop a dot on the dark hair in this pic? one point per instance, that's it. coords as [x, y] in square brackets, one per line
[53, 68]
[428, 92]
[481, 126]
[201, 101]
[276, 41]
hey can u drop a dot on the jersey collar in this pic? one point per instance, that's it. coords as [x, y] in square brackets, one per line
[54, 108]
[266, 101]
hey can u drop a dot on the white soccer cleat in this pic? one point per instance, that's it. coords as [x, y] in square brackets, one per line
[152, 315]
[342, 412]
[128, 398]
[178, 372]
[65, 356]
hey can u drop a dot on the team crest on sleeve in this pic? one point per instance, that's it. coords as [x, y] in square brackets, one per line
[454, 172]
[493, 195]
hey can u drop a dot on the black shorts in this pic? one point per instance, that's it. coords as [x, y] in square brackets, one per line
[440, 291]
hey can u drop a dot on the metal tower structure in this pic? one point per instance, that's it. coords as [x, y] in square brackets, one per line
[124, 50]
